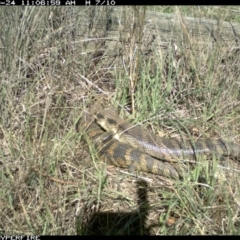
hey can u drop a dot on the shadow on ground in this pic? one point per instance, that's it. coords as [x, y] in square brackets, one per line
[120, 223]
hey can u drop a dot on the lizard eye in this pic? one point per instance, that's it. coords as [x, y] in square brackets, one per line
[100, 116]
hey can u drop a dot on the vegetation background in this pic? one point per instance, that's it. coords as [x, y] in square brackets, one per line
[55, 62]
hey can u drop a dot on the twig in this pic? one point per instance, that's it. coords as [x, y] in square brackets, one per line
[92, 84]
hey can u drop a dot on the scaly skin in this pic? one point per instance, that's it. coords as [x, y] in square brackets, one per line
[122, 154]
[172, 150]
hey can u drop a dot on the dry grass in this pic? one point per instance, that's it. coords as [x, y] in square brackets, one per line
[51, 71]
